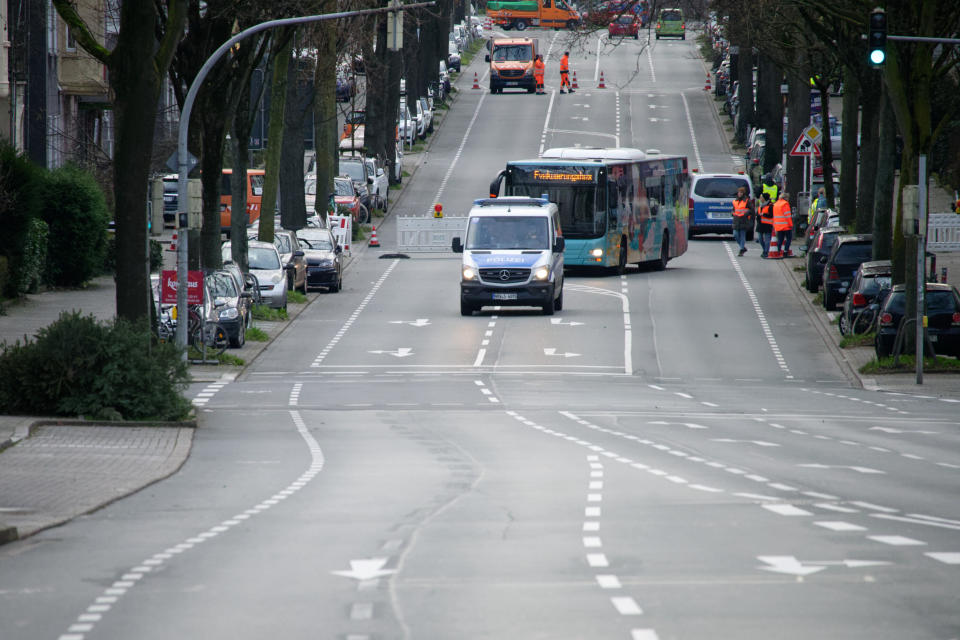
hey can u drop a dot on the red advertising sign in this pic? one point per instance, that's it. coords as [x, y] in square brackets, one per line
[168, 287]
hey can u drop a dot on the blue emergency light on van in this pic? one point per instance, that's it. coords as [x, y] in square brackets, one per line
[711, 201]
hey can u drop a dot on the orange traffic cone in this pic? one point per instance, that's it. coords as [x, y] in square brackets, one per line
[601, 85]
[173, 242]
[574, 85]
[707, 86]
[373, 239]
[476, 81]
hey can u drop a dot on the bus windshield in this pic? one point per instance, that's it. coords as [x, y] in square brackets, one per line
[573, 189]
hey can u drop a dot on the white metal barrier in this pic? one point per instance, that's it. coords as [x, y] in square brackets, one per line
[943, 232]
[421, 234]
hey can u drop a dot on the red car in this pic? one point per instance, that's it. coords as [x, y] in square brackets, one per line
[346, 198]
[627, 24]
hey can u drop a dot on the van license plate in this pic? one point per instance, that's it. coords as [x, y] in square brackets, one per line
[504, 296]
[510, 84]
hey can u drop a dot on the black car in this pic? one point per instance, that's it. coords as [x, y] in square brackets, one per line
[848, 254]
[860, 305]
[324, 266]
[943, 319]
[822, 218]
[818, 253]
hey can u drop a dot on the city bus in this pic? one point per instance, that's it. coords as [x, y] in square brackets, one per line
[618, 206]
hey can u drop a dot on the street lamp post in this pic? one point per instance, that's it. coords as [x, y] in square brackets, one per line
[183, 160]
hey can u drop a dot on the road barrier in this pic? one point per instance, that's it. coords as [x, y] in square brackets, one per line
[421, 234]
[943, 232]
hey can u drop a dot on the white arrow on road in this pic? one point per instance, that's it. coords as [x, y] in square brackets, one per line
[550, 351]
[366, 569]
[402, 352]
[817, 465]
[572, 323]
[790, 565]
[891, 430]
[419, 322]
[759, 443]
[688, 425]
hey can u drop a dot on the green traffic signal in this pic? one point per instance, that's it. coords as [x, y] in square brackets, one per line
[877, 37]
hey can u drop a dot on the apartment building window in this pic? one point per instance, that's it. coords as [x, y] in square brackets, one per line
[71, 42]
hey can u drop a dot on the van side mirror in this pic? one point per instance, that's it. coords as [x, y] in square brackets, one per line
[559, 245]
[457, 245]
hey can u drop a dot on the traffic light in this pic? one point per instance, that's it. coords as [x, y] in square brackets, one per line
[877, 37]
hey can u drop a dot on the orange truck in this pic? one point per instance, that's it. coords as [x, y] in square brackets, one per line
[533, 13]
[511, 64]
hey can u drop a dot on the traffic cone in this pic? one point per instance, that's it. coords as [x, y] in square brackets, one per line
[574, 85]
[173, 242]
[707, 86]
[373, 239]
[476, 81]
[601, 85]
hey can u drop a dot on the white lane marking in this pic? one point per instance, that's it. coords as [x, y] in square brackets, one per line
[873, 507]
[295, 394]
[946, 557]
[643, 634]
[591, 526]
[356, 313]
[774, 348]
[596, 68]
[608, 582]
[592, 512]
[592, 542]
[463, 143]
[119, 588]
[835, 507]
[693, 136]
[546, 122]
[838, 525]
[480, 354]
[627, 331]
[626, 606]
[897, 541]
[786, 510]
[597, 560]
[929, 523]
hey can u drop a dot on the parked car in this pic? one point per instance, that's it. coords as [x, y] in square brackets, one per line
[229, 306]
[823, 218]
[264, 261]
[420, 119]
[324, 266]
[943, 319]
[817, 255]
[755, 137]
[346, 198]
[406, 125]
[292, 258]
[626, 25]
[398, 163]
[355, 167]
[427, 115]
[849, 253]
[381, 183]
[346, 87]
[245, 282]
[870, 280]
[444, 75]
[453, 59]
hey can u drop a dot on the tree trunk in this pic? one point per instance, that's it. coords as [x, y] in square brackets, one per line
[392, 99]
[883, 187]
[748, 115]
[378, 110]
[868, 155]
[826, 150]
[212, 133]
[770, 110]
[798, 118]
[240, 141]
[848, 152]
[325, 115]
[281, 50]
[293, 212]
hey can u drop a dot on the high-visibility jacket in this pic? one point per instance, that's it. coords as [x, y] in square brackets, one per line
[766, 218]
[538, 70]
[771, 190]
[782, 217]
[741, 207]
[564, 64]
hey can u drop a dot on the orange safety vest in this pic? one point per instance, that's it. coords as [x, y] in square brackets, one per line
[782, 217]
[538, 70]
[741, 207]
[564, 64]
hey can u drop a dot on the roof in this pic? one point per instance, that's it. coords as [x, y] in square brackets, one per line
[698, 176]
[855, 237]
[931, 286]
[595, 153]
[507, 204]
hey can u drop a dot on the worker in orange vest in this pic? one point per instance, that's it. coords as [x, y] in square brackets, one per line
[539, 68]
[565, 72]
[742, 218]
[783, 224]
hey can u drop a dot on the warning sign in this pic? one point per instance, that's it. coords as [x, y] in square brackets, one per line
[805, 147]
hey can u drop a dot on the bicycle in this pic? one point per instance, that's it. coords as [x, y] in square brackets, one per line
[206, 336]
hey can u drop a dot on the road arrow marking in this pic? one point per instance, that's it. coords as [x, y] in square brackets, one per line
[402, 352]
[759, 443]
[792, 566]
[419, 322]
[560, 321]
[840, 466]
[891, 430]
[688, 425]
[550, 351]
[366, 569]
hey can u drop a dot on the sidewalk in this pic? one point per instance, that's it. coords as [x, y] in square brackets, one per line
[53, 470]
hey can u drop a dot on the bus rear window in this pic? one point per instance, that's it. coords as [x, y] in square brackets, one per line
[719, 187]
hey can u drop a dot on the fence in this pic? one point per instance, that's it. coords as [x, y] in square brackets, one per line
[943, 232]
[429, 235]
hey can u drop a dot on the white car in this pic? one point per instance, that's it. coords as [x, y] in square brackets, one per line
[406, 125]
[421, 120]
[381, 184]
[264, 262]
[427, 115]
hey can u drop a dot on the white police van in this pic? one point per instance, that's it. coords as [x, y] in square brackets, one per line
[512, 255]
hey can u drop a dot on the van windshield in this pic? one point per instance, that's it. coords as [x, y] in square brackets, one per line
[508, 232]
[513, 53]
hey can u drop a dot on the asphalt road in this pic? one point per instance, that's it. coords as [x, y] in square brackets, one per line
[675, 455]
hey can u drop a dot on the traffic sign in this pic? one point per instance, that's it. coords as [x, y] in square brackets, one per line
[805, 147]
[813, 132]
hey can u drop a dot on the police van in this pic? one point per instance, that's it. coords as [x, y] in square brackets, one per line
[711, 202]
[512, 255]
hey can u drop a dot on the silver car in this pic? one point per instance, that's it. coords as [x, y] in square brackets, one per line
[264, 261]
